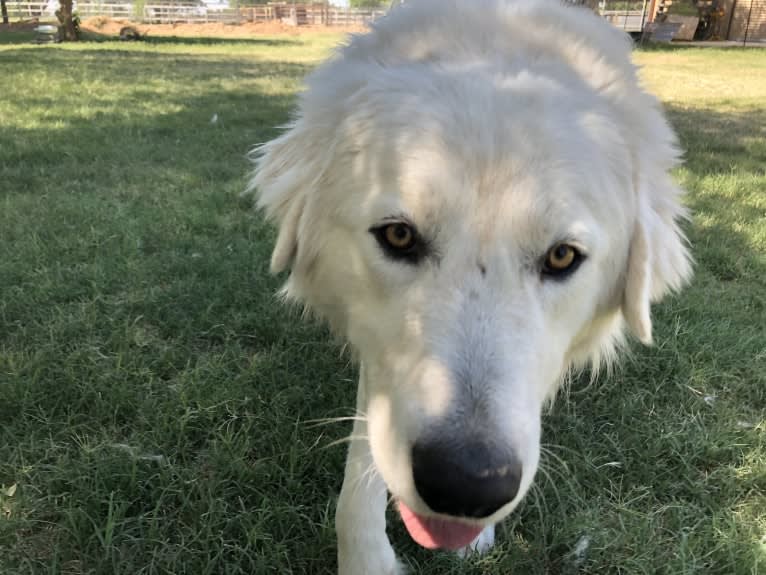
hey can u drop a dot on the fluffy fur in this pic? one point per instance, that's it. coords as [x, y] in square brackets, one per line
[498, 128]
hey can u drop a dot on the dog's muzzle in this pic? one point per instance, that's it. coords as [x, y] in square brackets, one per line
[462, 482]
[472, 479]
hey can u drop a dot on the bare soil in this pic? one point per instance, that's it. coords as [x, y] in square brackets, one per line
[111, 27]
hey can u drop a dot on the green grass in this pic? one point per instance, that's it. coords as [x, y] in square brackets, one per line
[155, 401]
[16, 36]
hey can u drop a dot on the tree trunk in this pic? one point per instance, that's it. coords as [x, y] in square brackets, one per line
[4, 10]
[67, 29]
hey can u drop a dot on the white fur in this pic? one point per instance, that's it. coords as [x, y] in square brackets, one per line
[498, 127]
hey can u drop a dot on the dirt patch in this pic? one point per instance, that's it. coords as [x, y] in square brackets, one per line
[104, 26]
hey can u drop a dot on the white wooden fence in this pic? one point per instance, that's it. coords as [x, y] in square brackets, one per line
[196, 12]
[630, 15]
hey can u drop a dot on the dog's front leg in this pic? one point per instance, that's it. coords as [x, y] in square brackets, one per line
[360, 520]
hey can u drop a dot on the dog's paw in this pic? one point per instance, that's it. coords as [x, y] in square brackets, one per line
[483, 543]
[375, 559]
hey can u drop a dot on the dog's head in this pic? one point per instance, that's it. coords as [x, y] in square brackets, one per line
[475, 224]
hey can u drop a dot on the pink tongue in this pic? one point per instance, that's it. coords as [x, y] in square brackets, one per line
[434, 533]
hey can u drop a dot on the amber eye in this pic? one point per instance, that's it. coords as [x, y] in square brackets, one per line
[561, 259]
[399, 236]
[400, 241]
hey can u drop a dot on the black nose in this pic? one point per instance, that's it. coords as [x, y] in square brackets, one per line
[470, 480]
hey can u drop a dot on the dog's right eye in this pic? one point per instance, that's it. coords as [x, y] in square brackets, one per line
[561, 260]
[400, 241]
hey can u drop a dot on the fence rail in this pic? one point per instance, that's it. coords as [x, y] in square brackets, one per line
[745, 20]
[191, 12]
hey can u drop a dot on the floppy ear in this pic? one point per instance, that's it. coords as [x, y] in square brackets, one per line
[287, 170]
[659, 261]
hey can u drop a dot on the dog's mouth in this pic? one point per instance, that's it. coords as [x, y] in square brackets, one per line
[436, 532]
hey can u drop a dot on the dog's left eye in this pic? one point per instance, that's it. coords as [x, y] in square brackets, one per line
[561, 260]
[399, 241]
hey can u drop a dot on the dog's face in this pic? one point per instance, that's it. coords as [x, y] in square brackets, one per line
[473, 241]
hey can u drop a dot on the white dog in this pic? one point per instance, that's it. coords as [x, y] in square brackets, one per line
[476, 196]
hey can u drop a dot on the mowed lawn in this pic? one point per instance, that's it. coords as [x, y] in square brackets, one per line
[158, 406]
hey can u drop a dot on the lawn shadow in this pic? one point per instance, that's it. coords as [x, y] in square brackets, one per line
[697, 396]
[724, 169]
[198, 40]
[98, 37]
[16, 36]
[174, 145]
[679, 47]
[148, 275]
[124, 213]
